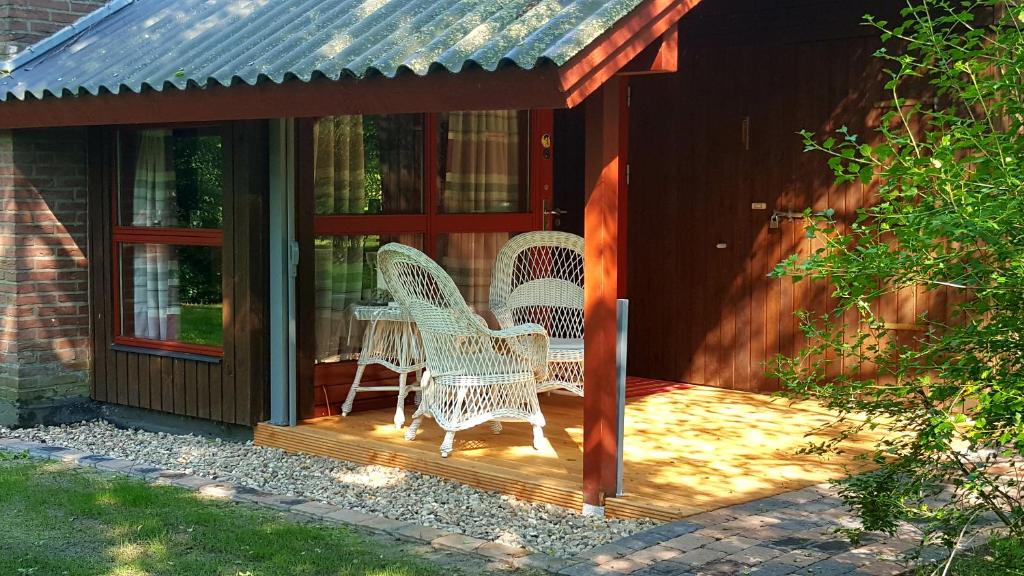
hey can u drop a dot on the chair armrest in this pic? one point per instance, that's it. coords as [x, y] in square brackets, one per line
[520, 330]
[529, 341]
[504, 315]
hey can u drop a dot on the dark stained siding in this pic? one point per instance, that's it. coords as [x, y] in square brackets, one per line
[231, 389]
[708, 315]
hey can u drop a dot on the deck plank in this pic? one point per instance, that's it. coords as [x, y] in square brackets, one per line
[687, 451]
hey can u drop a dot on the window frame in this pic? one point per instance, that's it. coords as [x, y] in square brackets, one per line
[432, 223]
[170, 236]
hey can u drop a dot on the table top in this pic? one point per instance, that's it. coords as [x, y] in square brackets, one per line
[391, 312]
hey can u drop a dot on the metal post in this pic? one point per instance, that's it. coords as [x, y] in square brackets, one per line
[622, 338]
[283, 259]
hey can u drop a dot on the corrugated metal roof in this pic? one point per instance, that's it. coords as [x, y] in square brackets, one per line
[157, 44]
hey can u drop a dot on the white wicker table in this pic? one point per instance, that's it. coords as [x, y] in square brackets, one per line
[390, 340]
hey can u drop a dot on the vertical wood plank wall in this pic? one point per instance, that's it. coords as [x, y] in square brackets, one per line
[709, 315]
[234, 388]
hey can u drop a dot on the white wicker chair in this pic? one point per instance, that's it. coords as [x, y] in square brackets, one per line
[538, 279]
[473, 374]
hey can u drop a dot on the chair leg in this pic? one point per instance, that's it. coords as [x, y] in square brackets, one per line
[347, 406]
[402, 393]
[418, 398]
[495, 427]
[538, 438]
[327, 399]
[410, 432]
[446, 446]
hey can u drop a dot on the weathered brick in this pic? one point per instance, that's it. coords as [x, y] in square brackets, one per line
[25, 22]
[44, 319]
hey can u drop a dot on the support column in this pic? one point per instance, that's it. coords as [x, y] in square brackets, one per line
[601, 222]
[284, 256]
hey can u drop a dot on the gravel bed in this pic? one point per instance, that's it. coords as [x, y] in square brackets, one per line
[389, 492]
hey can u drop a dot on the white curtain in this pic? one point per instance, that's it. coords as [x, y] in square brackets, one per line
[481, 176]
[155, 268]
[339, 188]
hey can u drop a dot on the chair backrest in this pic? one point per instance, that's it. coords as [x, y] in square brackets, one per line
[448, 326]
[538, 278]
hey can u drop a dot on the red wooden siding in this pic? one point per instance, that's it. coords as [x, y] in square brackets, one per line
[232, 388]
[709, 315]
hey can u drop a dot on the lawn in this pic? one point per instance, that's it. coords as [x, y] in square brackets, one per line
[1001, 557]
[58, 520]
[202, 324]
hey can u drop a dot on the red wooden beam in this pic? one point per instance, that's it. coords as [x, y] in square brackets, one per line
[614, 49]
[661, 57]
[601, 219]
[623, 231]
[476, 89]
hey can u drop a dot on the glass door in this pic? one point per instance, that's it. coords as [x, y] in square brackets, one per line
[456, 185]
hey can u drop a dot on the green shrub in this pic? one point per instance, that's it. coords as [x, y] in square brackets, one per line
[948, 402]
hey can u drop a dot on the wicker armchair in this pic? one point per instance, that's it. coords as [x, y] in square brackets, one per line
[473, 374]
[538, 279]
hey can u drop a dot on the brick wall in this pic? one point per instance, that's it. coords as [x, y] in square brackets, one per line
[44, 315]
[25, 22]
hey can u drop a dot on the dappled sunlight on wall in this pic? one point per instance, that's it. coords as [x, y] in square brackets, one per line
[45, 338]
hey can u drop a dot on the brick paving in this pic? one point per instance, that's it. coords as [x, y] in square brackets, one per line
[792, 534]
[789, 534]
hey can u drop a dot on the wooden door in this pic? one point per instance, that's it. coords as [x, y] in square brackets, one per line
[400, 178]
[569, 186]
[714, 151]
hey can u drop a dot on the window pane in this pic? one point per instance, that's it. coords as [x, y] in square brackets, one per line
[172, 293]
[346, 275]
[368, 165]
[469, 259]
[171, 178]
[482, 160]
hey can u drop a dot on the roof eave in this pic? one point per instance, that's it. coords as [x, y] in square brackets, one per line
[506, 88]
[510, 87]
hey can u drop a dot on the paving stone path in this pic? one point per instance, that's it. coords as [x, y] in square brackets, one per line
[789, 534]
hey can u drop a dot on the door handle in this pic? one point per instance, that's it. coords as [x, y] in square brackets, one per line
[554, 213]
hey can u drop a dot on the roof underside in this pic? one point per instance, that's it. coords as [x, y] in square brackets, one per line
[163, 44]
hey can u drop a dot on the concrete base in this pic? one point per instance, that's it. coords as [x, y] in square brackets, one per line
[153, 421]
[47, 412]
[68, 411]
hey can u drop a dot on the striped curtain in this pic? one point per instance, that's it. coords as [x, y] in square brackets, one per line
[339, 188]
[481, 176]
[155, 268]
[482, 172]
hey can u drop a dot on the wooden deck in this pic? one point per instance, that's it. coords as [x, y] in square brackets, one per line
[687, 451]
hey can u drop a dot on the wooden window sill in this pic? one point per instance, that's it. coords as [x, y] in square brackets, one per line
[209, 359]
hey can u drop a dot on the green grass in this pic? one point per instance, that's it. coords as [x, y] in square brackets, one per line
[1002, 557]
[57, 520]
[202, 324]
